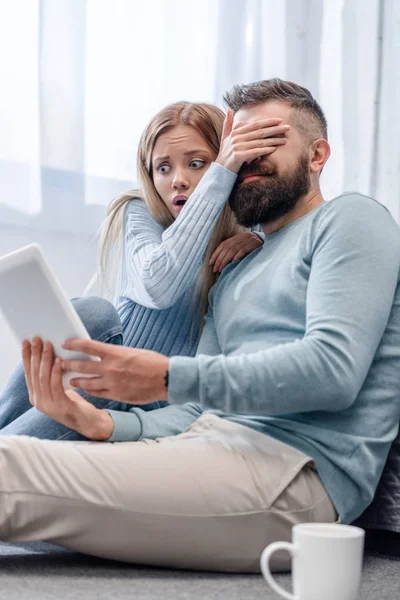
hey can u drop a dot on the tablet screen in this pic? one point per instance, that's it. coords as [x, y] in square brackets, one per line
[31, 306]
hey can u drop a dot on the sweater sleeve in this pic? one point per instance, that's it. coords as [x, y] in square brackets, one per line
[355, 259]
[161, 264]
[137, 424]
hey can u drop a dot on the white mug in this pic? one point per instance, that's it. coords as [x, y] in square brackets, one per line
[326, 562]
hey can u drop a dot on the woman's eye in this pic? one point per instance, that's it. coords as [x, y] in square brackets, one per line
[163, 169]
[197, 164]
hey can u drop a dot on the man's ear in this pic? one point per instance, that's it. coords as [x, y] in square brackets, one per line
[320, 151]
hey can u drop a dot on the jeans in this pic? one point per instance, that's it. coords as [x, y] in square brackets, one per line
[18, 417]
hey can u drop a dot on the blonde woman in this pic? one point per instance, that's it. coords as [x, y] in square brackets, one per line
[171, 239]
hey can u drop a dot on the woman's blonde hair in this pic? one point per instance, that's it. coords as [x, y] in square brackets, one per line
[208, 121]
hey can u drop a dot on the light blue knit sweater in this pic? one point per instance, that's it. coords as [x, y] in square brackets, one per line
[157, 296]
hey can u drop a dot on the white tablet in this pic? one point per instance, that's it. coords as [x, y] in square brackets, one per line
[35, 304]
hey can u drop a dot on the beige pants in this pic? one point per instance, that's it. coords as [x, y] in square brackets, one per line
[210, 498]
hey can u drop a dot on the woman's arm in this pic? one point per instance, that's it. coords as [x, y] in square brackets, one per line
[160, 265]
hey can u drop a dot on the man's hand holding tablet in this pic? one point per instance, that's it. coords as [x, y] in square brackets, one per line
[44, 375]
[130, 375]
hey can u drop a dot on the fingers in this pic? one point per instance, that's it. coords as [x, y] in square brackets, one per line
[250, 155]
[36, 357]
[213, 258]
[228, 124]
[225, 257]
[45, 368]
[251, 150]
[266, 132]
[235, 248]
[86, 367]
[224, 261]
[26, 361]
[242, 128]
[244, 251]
[216, 253]
[90, 347]
[93, 386]
[56, 384]
[221, 250]
[253, 136]
[260, 143]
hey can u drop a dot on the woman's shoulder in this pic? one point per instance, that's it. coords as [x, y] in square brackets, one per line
[135, 201]
[136, 206]
[138, 218]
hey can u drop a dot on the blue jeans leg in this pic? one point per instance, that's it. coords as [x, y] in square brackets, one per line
[18, 417]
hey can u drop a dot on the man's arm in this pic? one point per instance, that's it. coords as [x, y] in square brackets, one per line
[138, 424]
[355, 254]
[354, 274]
[133, 376]
[44, 381]
[208, 343]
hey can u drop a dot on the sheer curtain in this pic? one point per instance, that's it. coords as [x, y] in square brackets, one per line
[80, 79]
[347, 52]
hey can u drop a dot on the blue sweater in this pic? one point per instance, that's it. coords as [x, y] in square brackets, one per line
[302, 342]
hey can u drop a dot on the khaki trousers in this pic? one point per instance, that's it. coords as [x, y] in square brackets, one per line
[210, 498]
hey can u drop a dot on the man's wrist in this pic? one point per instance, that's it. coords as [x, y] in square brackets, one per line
[103, 426]
[166, 379]
[164, 372]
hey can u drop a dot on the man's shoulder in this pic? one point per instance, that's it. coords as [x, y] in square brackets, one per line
[354, 208]
[354, 220]
[355, 200]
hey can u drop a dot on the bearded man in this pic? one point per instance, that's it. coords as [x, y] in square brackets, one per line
[288, 410]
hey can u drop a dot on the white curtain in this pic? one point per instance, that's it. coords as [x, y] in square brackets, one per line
[80, 78]
[347, 52]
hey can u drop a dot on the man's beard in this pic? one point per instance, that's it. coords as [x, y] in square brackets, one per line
[271, 197]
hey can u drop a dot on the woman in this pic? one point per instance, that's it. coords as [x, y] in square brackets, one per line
[164, 277]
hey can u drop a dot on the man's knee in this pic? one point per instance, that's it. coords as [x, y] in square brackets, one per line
[100, 318]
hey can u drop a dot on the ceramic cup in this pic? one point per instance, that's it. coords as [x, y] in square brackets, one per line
[326, 562]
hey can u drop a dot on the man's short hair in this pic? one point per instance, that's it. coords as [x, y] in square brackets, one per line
[308, 116]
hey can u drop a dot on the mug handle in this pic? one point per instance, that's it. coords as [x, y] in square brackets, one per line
[264, 563]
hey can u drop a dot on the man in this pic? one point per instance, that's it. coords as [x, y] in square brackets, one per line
[289, 407]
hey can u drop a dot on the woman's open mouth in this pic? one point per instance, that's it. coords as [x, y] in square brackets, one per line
[180, 201]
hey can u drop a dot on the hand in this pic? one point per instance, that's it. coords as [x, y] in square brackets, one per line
[245, 142]
[123, 374]
[43, 376]
[234, 248]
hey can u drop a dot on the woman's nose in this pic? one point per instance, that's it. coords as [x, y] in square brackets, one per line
[180, 181]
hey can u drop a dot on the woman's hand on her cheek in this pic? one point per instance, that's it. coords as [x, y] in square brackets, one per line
[234, 248]
[43, 376]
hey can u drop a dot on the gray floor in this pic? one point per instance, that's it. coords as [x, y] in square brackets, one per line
[40, 571]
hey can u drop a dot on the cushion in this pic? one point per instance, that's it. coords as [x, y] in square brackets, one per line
[383, 514]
